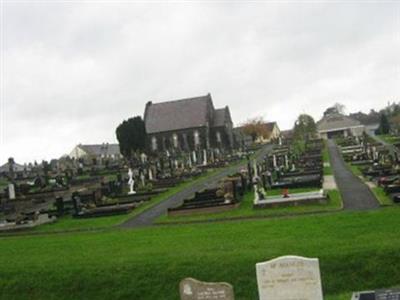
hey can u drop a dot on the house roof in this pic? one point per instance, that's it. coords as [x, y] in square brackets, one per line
[6, 168]
[270, 127]
[221, 117]
[177, 114]
[336, 122]
[101, 149]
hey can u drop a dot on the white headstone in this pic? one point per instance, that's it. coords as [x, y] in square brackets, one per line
[289, 278]
[11, 191]
[255, 168]
[274, 160]
[204, 157]
[194, 157]
[150, 174]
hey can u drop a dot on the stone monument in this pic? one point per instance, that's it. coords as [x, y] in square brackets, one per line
[289, 278]
[131, 182]
[192, 289]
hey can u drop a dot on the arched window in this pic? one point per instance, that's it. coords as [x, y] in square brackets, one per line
[218, 136]
[196, 138]
[175, 140]
[154, 143]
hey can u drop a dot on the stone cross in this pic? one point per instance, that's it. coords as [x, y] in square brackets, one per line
[288, 278]
[192, 289]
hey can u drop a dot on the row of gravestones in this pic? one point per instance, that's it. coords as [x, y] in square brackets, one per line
[283, 278]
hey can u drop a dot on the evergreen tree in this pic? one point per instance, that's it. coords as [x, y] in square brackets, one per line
[131, 135]
[384, 126]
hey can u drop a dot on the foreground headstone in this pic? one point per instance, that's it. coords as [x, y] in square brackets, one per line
[391, 294]
[192, 289]
[289, 278]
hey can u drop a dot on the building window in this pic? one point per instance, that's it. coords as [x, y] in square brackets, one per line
[218, 136]
[154, 143]
[196, 138]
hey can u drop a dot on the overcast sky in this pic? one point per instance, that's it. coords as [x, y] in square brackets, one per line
[71, 72]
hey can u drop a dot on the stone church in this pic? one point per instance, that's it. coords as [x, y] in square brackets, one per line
[187, 125]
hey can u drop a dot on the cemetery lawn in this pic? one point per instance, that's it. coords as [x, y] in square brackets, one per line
[68, 223]
[148, 263]
[390, 139]
[245, 210]
[381, 196]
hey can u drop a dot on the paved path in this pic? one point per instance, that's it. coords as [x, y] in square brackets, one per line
[147, 217]
[355, 194]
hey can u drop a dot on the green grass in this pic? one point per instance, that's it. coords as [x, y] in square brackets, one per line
[3, 183]
[381, 196]
[328, 170]
[355, 170]
[325, 153]
[391, 139]
[356, 250]
[245, 210]
[70, 223]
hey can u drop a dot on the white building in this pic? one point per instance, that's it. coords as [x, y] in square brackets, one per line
[334, 125]
[104, 150]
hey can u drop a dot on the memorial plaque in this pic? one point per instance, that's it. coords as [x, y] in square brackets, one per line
[192, 289]
[289, 278]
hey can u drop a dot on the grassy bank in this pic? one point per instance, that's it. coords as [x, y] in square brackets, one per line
[149, 263]
[245, 210]
[381, 196]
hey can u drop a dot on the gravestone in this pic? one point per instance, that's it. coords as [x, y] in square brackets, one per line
[11, 191]
[192, 289]
[289, 278]
[390, 294]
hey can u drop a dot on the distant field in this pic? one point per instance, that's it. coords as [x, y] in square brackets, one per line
[246, 208]
[357, 251]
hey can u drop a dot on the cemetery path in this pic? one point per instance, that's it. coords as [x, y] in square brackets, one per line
[147, 217]
[355, 194]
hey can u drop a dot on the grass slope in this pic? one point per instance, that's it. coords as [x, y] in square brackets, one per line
[149, 263]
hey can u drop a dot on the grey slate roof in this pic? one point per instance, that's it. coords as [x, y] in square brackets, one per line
[221, 117]
[177, 114]
[336, 122]
[6, 168]
[101, 149]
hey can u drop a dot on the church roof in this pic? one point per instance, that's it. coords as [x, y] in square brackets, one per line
[178, 114]
[221, 117]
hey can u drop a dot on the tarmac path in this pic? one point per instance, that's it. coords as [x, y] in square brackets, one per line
[355, 194]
